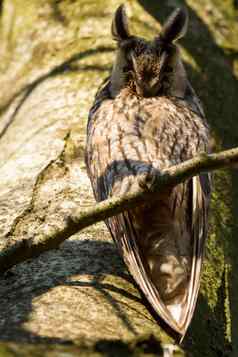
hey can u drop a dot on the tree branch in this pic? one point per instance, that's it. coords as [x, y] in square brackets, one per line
[149, 187]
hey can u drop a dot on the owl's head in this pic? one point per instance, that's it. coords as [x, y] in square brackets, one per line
[149, 68]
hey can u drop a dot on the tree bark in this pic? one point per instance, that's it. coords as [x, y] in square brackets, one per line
[53, 57]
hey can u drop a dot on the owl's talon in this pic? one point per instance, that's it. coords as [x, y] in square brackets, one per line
[147, 180]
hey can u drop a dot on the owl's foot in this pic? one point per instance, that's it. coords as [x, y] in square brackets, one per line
[148, 179]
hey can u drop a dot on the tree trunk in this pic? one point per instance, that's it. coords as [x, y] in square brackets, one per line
[54, 54]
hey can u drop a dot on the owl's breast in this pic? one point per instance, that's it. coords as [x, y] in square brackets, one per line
[130, 136]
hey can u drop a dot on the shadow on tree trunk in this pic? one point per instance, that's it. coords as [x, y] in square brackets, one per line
[57, 267]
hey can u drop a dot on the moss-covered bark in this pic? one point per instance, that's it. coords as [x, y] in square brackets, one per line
[54, 54]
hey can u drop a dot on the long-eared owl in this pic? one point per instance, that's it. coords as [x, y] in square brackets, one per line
[146, 118]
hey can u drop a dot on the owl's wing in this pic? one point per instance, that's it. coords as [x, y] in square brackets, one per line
[201, 189]
[125, 236]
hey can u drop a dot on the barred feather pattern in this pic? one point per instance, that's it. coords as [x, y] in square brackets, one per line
[162, 242]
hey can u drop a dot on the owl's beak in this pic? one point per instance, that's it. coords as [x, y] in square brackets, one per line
[146, 90]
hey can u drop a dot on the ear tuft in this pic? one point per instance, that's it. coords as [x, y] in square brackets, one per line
[120, 30]
[176, 26]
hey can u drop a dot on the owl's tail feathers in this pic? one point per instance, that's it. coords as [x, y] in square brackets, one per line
[170, 273]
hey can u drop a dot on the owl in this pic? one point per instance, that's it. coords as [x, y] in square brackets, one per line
[145, 118]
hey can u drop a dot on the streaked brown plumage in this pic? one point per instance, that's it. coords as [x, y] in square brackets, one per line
[145, 118]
